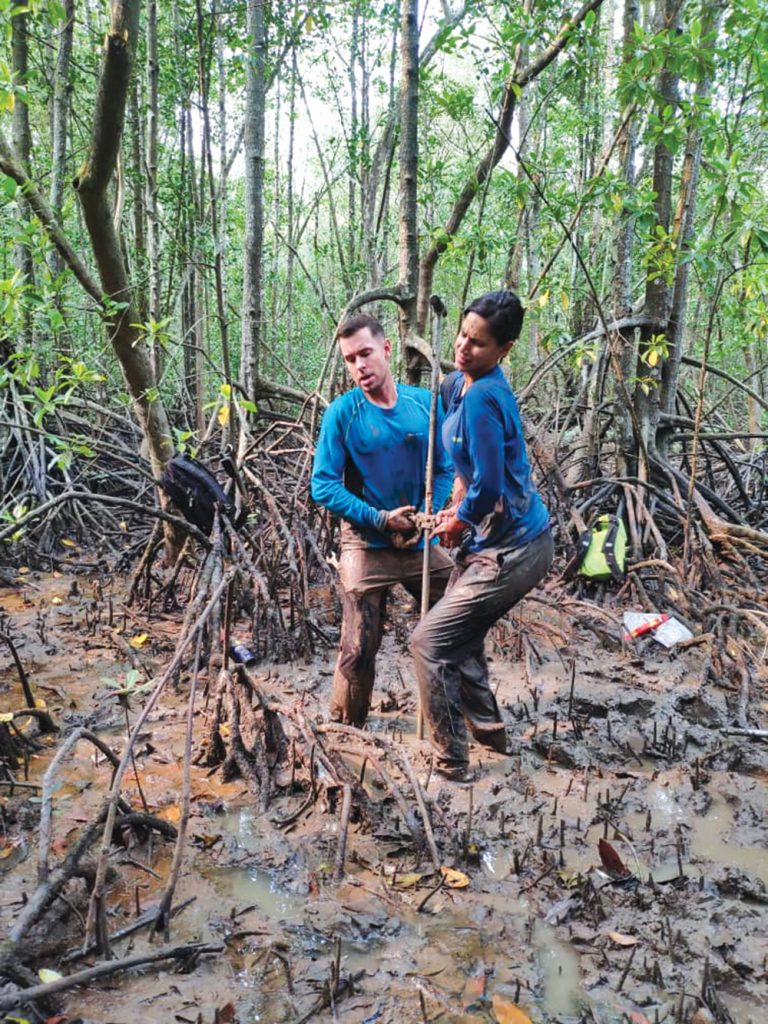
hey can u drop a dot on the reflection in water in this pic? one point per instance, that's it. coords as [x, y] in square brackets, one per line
[559, 968]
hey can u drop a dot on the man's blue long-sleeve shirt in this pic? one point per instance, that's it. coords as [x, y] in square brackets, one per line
[370, 460]
[484, 436]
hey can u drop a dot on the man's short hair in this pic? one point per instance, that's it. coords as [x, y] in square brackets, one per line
[356, 323]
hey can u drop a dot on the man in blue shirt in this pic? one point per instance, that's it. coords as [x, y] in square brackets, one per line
[369, 469]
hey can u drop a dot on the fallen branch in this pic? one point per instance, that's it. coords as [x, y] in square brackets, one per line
[104, 970]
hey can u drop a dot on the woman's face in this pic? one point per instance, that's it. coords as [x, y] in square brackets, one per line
[476, 350]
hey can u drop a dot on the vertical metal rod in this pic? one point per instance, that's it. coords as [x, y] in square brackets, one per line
[439, 311]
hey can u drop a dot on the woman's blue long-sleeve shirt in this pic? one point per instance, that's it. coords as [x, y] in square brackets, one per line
[483, 435]
[370, 460]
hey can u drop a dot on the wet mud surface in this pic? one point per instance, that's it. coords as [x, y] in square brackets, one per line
[613, 867]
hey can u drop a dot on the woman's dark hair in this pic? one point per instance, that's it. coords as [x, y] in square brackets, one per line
[504, 313]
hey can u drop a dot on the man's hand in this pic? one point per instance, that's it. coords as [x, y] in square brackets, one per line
[400, 520]
[400, 523]
[449, 529]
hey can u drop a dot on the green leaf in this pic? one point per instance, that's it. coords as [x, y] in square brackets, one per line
[9, 186]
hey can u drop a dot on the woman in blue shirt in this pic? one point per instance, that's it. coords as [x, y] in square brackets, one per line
[499, 527]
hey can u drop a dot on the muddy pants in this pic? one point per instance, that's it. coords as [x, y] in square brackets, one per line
[366, 575]
[448, 646]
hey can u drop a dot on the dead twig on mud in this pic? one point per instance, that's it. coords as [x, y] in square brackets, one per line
[49, 781]
[97, 895]
[192, 950]
[346, 809]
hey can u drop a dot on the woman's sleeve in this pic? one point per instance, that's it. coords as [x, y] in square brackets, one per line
[484, 429]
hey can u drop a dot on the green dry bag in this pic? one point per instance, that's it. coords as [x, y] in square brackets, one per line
[603, 549]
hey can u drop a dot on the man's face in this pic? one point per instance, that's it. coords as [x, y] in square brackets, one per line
[366, 357]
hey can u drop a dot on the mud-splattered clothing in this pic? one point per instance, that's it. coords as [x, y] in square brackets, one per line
[366, 575]
[370, 460]
[506, 552]
[483, 435]
[448, 645]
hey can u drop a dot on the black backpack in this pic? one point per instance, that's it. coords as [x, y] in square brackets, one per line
[195, 491]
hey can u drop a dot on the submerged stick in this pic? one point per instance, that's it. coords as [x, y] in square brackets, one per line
[346, 809]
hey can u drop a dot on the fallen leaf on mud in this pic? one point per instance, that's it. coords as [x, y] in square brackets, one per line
[611, 860]
[226, 1013]
[171, 813]
[9, 845]
[623, 940]
[139, 640]
[205, 840]
[60, 1018]
[454, 879]
[639, 1018]
[508, 1013]
[47, 976]
[6, 716]
[57, 600]
[67, 543]
[406, 880]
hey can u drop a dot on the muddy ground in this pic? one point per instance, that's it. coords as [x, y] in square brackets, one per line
[611, 742]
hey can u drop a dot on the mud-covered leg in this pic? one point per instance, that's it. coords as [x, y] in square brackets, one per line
[361, 632]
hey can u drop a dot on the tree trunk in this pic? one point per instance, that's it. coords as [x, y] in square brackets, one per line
[203, 82]
[682, 232]
[59, 122]
[153, 215]
[92, 186]
[658, 290]
[22, 144]
[621, 287]
[254, 200]
[409, 157]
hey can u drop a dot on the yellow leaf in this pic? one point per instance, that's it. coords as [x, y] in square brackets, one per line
[171, 813]
[47, 976]
[623, 940]
[565, 302]
[454, 879]
[508, 1013]
[40, 703]
[67, 543]
[653, 357]
[6, 716]
[57, 600]
[406, 880]
[544, 298]
[23, 569]
[224, 730]
[139, 640]
[123, 526]
[223, 416]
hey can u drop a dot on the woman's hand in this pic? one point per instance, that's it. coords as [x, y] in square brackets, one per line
[450, 529]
